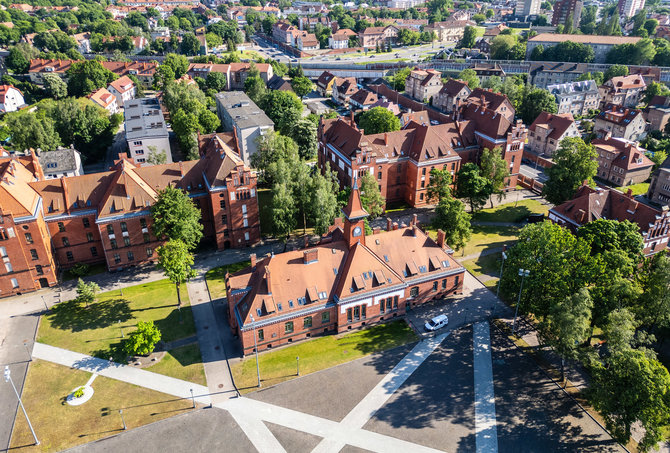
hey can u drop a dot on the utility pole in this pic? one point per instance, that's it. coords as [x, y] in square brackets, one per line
[8, 378]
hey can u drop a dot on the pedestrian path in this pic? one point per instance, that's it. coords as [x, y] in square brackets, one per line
[125, 373]
[486, 434]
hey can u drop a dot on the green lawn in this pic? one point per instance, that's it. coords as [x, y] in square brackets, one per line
[514, 212]
[638, 189]
[183, 363]
[216, 278]
[60, 426]
[96, 330]
[487, 237]
[320, 353]
[484, 265]
[248, 55]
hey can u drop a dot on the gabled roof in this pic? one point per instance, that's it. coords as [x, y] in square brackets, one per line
[491, 100]
[219, 160]
[122, 84]
[17, 197]
[324, 79]
[354, 208]
[364, 97]
[126, 192]
[626, 82]
[558, 124]
[364, 272]
[102, 97]
[4, 89]
[618, 115]
[453, 87]
[625, 153]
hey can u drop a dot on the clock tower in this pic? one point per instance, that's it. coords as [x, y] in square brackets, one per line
[354, 218]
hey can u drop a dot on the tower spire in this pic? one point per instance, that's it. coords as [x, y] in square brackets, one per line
[354, 217]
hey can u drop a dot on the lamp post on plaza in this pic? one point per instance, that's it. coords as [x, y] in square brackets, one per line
[504, 257]
[297, 362]
[523, 273]
[258, 370]
[8, 378]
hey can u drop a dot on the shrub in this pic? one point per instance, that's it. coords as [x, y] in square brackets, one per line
[143, 340]
[79, 270]
[78, 393]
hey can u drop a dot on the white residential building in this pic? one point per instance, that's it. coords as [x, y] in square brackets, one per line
[123, 88]
[11, 99]
[146, 131]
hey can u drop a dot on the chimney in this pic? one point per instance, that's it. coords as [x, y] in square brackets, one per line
[310, 256]
[413, 230]
[414, 221]
[386, 138]
[268, 282]
[252, 258]
[389, 224]
[440, 238]
[351, 119]
[376, 230]
[395, 226]
[629, 193]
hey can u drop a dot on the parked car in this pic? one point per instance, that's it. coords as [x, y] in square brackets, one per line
[437, 322]
[535, 218]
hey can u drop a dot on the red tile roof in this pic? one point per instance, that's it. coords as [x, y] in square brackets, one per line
[624, 153]
[559, 124]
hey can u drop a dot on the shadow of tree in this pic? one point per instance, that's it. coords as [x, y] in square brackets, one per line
[187, 355]
[74, 316]
[509, 213]
[391, 334]
[176, 325]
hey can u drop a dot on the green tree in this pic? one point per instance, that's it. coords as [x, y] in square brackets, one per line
[177, 63]
[450, 217]
[615, 71]
[304, 135]
[254, 85]
[439, 186]
[190, 44]
[479, 18]
[493, 83]
[323, 207]
[574, 163]
[84, 77]
[469, 37]
[87, 291]
[496, 170]
[18, 60]
[471, 185]
[156, 157]
[596, 76]
[469, 76]
[398, 79]
[619, 331]
[302, 86]
[143, 340]
[654, 307]
[378, 120]
[176, 218]
[54, 86]
[655, 89]
[371, 197]
[216, 81]
[283, 211]
[283, 108]
[176, 261]
[27, 131]
[568, 325]
[271, 149]
[536, 101]
[633, 388]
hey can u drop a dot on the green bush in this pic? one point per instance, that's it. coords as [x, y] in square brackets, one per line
[78, 393]
[80, 270]
[143, 340]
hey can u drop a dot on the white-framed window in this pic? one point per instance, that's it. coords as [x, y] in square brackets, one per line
[244, 209]
[246, 236]
[15, 283]
[246, 223]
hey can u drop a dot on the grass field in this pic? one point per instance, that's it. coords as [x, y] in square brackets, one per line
[484, 265]
[216, 278]
[97, 330]
[183, 363]
[638, 189]
[319, 353]
[59, 426]
[511, 212]
[248, 55]
[488, 237]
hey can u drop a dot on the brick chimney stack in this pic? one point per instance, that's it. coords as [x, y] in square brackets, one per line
[415, 220]
[389, 224]
[252, 258]
[268, 281]
[440, 238]
[310, 256]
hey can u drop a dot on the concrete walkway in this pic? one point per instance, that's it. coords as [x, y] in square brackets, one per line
[486, 433]
[125, 373]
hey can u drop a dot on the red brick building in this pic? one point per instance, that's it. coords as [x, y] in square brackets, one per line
[106, 218]
[401, 161]
[590, 204]
[347, 281]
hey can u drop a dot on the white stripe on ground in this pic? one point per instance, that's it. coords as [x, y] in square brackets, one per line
[342, 434]
[486, 438]
[258, 433]
[378, 396]
[125, 373]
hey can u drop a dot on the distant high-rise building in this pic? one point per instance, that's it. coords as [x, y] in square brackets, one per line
[628, 8]
[562, 10]
[525, 8]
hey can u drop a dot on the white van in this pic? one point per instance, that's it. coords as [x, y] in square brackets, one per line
[437, 323]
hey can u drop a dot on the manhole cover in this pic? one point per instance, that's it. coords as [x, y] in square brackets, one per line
[220, 386]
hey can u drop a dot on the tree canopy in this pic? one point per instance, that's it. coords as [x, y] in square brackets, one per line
[574, 163]
[378, 120]
[175, 217]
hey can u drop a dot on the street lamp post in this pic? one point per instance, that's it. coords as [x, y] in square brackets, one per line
[523, 273]
[122, 419]
[46, 307]
[297, 362]
[504, 257]
[120, 328]
[193, 398]
[8, 378]
[258, 369]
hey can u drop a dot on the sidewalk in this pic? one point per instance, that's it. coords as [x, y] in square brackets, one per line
[125, 373]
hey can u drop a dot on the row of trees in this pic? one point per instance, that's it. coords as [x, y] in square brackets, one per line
[599, 279]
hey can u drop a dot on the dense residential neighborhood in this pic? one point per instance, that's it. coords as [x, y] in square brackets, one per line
[395, 226]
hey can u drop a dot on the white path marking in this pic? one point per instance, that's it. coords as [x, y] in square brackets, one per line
[258, 433]
[486, 438]
[248, 408]
[125, 373]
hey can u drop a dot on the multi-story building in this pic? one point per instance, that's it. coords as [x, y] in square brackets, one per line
[324, 84]
[363, 100]
[659, 189]
[576, 98]
[495, 102]
[658, 113]
[236, 73]
[372, 37]
[601, 45]
[622, 91]
[285, 33]
[544, 74]
[525, 8]
[239, 114]
[485, 71]
[146, 132]
[307, 41]
[123, 89]
[347, 281]
[565, 9]
[105, 99]
[622, 162]
[340, 39]
[449, 30]
[48, 224]
[60, 162]
[629, 8]
[591, 204]
[548, 130]
[11, 99]
[404, 4]
[343, 89]
[144, 71]
[401, 161]
[309, 23]
[423, 84]
[620, 122]
[452, 93]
